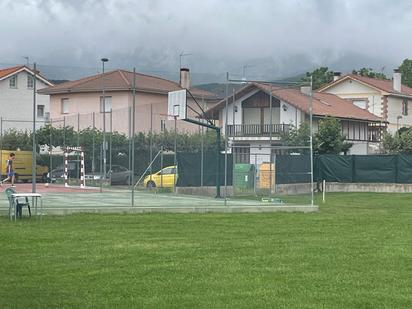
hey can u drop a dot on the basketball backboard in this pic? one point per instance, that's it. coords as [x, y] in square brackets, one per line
[176, 104]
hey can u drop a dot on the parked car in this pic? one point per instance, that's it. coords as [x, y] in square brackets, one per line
[118, 175]
[165, 178]
[58, 172]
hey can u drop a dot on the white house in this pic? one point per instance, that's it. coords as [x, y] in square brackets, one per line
[249, 123]
[388, 99]
[16, 98]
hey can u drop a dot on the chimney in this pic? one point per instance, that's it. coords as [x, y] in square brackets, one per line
[185, 78]
[305, 90]
[397, 80]
[336, 75]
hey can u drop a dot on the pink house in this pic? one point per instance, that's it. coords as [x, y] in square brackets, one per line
[79, 103]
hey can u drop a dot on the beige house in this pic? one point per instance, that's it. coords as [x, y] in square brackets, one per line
[79, 103]
[388, 99]
[251, 130]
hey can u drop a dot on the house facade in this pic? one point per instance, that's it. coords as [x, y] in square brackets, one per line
[388, 99]
[252, 130]
[80, 102]
[16, 98]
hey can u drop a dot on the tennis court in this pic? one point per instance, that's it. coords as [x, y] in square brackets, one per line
[58, 200]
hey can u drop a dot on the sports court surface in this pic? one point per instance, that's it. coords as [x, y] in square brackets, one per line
[60, 200]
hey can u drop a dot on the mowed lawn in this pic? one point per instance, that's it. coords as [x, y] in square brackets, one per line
[355, 253]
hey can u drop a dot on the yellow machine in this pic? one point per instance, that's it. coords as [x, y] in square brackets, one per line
[165, 178]
[22, 166]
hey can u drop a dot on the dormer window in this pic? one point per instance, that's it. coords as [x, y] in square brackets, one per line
[13, 81]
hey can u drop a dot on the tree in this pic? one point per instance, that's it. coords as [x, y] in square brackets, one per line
[406, 69]
[400, 142]
[320, 77]
[369, 72]
[297, 136]
[329, 139]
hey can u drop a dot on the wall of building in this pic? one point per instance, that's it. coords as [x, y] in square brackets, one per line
[290, 114]
[395, 110]
[350, 89]
[17, 103]
[151, 111]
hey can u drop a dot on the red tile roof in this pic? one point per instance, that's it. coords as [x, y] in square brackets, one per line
[324, 104]
[381, 84]
[8, 71]
[120, 80]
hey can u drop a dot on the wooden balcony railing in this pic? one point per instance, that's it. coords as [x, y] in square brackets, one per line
[256, 129]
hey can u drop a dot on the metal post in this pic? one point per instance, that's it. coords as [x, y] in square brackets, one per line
[233, 141]
[151, 140]
[202, 147]
[161, 167]
[218, 163]
[33, 164]
[51, 147]
[78, 145]
[175, 155]
[93, 142]
[270, 143]
[133, 129]
[226, 130]
[110, 144]
[129, 124]
[311, 141]
[104, 121]
[64, 131]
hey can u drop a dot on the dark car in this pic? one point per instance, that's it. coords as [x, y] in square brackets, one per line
[119, 175]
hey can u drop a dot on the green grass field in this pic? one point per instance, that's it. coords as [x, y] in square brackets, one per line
[355, 253]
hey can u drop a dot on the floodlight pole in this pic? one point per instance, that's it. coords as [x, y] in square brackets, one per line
[226, 130]
[104, 125]
[33, 164]
[311, 140]
[133, 130]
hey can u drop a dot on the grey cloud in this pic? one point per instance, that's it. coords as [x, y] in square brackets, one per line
[221, 35]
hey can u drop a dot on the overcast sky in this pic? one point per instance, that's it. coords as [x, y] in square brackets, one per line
[221, 35]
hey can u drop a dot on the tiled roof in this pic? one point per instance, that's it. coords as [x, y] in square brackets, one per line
[381, 84]
[324, 104]
[120, 80]
[9, 71]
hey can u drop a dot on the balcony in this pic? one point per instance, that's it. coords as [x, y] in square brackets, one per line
[257, 129]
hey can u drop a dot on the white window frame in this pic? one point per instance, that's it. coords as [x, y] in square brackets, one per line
[108, 104]
[13, 78]
[39, 107]
[65, 105]
[30, 81]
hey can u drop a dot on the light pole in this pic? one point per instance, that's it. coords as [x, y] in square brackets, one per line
[104, 60]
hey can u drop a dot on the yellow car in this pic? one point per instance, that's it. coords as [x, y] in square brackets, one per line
[165, 178]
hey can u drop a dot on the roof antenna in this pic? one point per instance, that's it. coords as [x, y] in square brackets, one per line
[27, 60]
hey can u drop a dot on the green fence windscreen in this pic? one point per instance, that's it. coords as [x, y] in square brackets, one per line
[189, 169]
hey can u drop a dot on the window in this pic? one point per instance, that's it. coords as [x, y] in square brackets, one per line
[242, 153]
[108, 104]
[162, 125]
[40, 111]
[65, 106]
[13, 81]
[167, 171]
[360, 103]
[405, 107]
[30, 82]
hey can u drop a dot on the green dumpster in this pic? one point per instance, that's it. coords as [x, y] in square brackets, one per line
[244, 176]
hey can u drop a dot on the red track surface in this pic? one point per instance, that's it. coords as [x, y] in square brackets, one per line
[41, 188]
